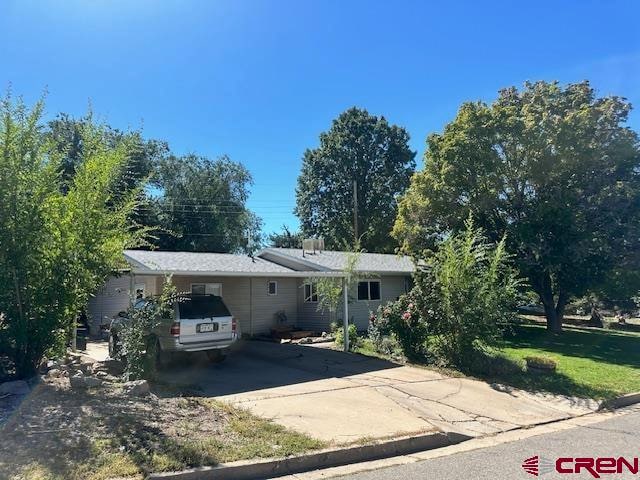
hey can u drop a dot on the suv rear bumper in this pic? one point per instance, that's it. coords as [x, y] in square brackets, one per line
[172, 344]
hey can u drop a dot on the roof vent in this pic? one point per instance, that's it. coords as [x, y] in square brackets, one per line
[312, 245]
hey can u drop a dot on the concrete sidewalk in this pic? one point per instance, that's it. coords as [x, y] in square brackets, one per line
[342, 397]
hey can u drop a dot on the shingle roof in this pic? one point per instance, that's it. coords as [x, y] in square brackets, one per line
[166, 262]
[335, 260]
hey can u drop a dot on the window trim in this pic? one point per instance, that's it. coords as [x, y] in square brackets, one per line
[408, 284]
[275, 282]
[368, 281]
[312, 293]
[205, 286]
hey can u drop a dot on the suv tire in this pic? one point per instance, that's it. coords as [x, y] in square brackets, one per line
[163, 359]
[216, 356]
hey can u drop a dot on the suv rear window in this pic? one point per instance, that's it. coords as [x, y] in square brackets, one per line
[204, 306]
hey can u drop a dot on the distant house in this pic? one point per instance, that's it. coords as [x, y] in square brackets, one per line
[257, 289]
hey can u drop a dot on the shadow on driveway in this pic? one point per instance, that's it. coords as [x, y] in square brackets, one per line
[255, 365]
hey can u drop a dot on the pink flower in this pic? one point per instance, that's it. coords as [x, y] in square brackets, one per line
[406, 315]
[411, 305]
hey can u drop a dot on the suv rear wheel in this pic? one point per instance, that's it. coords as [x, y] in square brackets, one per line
[163, 359]
[216, 356]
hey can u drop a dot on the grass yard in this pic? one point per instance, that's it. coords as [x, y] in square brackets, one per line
[591, 362]
[63, 434]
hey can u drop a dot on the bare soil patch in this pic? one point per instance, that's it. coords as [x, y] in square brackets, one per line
[63, 433]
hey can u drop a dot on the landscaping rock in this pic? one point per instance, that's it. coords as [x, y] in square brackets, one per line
[84, 367]
[16, 387]
[81, 381]
[55, 373]
[113, 367]
[136, 388]
[323, 339]
[306, 340]
[92, 382]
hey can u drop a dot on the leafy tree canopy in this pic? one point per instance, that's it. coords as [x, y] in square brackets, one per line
[67, 137]
[201, 202]
[56, 249]
[285, 239]
[554, 168]
[196, 204]
[363, 148]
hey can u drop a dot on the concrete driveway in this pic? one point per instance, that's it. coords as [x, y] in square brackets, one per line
[342, 397]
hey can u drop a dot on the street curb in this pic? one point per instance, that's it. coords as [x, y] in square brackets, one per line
[621, 401]
[270, 468]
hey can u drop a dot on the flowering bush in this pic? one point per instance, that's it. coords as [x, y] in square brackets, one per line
[400, 319]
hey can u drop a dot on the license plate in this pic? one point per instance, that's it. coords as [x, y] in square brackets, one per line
[207, 327]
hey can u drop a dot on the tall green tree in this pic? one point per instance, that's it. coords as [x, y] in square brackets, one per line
[364, 149]
[285, 239]
[197, 204]
[554, 168]
[56, 248]
[67, 138]
[200, 204]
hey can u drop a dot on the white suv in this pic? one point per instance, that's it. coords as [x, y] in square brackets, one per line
[198, 323]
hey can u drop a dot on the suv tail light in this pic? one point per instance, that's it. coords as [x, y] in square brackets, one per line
[234, 325]
[175, 329]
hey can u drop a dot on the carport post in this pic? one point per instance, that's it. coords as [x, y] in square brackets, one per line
[132, 289]
[345, 321]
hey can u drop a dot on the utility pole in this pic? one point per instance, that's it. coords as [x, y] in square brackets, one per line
[355, 212]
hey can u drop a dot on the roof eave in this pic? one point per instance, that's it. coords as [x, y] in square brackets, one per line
[293, 274]
[385, 272]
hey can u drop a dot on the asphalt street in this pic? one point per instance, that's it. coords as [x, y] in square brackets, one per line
[616, 437]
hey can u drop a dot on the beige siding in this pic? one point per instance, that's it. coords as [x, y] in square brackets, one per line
[249, 302]
[248, 299]
[235, 292]
[266, 306]
[391, 287]
[113, 297]
[309, 317]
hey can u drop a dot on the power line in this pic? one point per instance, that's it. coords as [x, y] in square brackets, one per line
[204, 205]
[206, 201]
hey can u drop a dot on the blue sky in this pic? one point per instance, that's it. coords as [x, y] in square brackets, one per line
[259, 80]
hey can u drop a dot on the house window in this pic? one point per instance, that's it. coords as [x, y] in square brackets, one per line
[408, 284]
[139, 291]
[310, 293]
[272, 288]
[369, 290]
[206, 289]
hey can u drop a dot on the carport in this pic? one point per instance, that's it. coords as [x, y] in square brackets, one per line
[258, 292]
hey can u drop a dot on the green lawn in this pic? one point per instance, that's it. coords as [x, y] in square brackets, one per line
[591, 363]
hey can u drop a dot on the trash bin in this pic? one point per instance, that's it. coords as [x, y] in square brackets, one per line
[81, 338]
